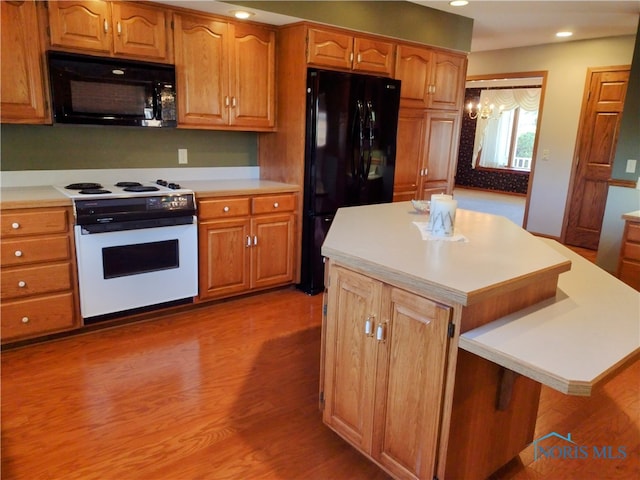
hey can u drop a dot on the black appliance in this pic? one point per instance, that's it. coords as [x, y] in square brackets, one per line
[351, 126]
[109, 91]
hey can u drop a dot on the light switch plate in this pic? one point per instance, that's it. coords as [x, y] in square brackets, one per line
[182, 156]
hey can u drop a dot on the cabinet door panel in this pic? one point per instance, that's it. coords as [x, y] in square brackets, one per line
[81, 24]
[224, 257]
[441, 153]
[350, 360]
[139, 31]
[201, 70]
[410, 384]
[413, 69]
[252, 80]
[329, 49]
[373, 56]
[409, 153]
[22, 94]
[272, 250]
[448, 78]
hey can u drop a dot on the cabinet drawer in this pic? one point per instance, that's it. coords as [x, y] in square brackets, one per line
[273, 204]
[633, 232]
[22, 222]
[28, 318]
[22, 282]
[223, 208]
[631, 251]
[31, 250]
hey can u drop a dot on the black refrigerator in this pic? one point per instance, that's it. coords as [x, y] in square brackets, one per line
[351, 126]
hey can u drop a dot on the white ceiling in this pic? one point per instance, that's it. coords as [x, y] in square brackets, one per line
[503, 23]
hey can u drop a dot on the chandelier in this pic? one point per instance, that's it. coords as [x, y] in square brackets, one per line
[484, 111]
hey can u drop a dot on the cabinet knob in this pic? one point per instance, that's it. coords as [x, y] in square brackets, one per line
[276, 205]
[225, 209]
[22, 284]
[18, 253]
[25, 320]
[15, 225]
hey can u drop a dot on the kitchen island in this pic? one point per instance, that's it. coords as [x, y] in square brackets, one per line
[396, 381]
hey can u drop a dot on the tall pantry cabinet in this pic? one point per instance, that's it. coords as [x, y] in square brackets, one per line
[431, 98]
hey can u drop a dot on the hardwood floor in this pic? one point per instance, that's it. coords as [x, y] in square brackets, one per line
[230, 391]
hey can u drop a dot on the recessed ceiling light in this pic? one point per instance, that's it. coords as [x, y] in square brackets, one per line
[564, 34]
[242, 14]
[459, 3]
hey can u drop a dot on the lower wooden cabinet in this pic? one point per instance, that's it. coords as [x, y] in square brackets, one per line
[38, 273]
[629, 263]
[245, 243]
[427, 152]
[384, 365]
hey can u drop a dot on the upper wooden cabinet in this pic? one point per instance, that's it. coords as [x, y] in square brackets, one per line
[111, 28]
[336, 49]
[430, 78]
[22, 87]
[225, 74]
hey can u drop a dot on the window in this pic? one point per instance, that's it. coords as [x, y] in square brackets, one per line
[505, 138]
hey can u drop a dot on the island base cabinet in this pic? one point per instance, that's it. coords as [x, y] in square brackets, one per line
[384, 369]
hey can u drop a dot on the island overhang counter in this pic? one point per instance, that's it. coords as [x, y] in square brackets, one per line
[491, 270]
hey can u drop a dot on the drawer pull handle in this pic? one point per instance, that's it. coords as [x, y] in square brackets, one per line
[225, 209]
[18, 253]
[255, 240]
[15, 225]
[275, 205]
[25, 320]
[22, 284]
[248, 241]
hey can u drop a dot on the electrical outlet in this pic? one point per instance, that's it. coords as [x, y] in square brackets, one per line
[182, 156]
[631, 166]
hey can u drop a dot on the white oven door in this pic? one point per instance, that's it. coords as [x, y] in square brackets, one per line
[136, 268]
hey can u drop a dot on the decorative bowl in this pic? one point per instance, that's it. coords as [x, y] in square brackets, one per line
[421, 206]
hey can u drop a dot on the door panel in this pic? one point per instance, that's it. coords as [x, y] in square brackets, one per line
[600, 124]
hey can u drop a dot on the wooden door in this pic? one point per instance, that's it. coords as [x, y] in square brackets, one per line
[202, 72]
[252, 76]
[140, 31]
[442, 132]
[272, 250]
[409, 154]
[350, 356]
[413, 69]
[224, 256]
[412, 361]
[81, 24]
[328, 48]
[596, 145]
[448, 77]
[372, 56]
[22, 87]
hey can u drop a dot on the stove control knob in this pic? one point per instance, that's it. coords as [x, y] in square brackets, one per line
[173, 186]
[15, 225]
[161, 182]
[22, 284]
[25, 320]
[18, 253]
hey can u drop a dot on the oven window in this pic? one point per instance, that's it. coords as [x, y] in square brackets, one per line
[140, 258]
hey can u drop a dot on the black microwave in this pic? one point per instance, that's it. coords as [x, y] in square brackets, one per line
[110, 91]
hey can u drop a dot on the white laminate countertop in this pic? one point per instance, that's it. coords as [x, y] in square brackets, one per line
[632, 216]
[382, 241]
[569, 342]
[48, 196]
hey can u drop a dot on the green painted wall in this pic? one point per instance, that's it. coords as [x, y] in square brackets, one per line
[397, 19]
[28, 147]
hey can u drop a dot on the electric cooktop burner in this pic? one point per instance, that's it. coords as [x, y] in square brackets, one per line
[141, 188]
[128, 184]
[94, 191]
[84, 186]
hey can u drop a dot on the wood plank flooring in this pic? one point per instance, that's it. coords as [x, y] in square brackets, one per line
[229, 391]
